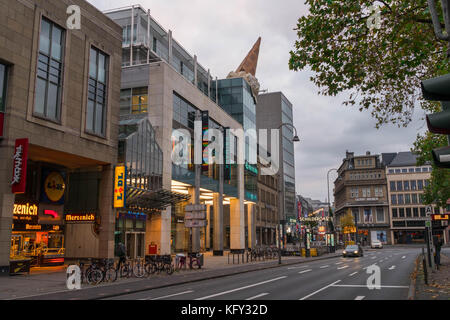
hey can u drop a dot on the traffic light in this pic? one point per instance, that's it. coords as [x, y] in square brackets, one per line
[438, 89]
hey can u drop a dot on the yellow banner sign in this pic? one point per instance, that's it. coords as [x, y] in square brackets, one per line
[119, 187]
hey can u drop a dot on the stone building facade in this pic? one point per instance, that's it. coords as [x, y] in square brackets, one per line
[61, 92]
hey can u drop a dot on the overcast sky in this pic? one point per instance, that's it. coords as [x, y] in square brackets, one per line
[221, 33]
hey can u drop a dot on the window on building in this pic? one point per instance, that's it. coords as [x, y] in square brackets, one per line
[415, 212]
[368, 218]
[421, 198]
[380, 215]
[410, 170]
[413, 185]
[397, 171]
[408, 212]
[404, 170]
[420, 184]
[394, 212]
[423, 212]
[134, 101]
[399, 185]
[427, 183]
[414, 198]
[355, 212]
[393, 198]
[3, 75]
[378, 191]
[406, 185]
[425, 169]
[366, 192]
[354, 192]
[401, 212]
[98, 78]
[391, 171]
[392, 186]
[47, 102]
[400, 199]
[407, 198]
[418, 170]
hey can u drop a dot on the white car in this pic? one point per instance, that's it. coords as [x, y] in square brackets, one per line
[376, 244]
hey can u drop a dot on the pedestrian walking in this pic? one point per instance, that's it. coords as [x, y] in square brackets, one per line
[121, 252]
[438, 244]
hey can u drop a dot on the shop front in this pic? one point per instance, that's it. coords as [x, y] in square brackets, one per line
[38, 224]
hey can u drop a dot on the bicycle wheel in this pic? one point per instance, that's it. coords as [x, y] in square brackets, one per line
[139, 270]
[110, 274]
[125, 271]
[94, 277]
[169, 269]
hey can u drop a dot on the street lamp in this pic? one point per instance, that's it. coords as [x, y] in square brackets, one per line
[294, 139]
[329, 206]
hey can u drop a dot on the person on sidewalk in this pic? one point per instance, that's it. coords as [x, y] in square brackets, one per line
[121, 253]
[438, 245]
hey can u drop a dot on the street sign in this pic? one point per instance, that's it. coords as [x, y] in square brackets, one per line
[195, 223]
[429, 211]
[195, 207]
[428, 224]
[195, 215]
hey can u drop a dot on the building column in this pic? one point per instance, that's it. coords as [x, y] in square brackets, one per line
[6, 206]
[218, 225]
[237, 225]
[166, 218]
[208, 226]
[251, 225]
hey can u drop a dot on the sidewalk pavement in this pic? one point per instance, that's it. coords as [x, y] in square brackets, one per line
[50, 283]
[438, 287]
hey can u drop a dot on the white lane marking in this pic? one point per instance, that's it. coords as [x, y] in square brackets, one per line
[324, 266]
[339, 262]
[343, 267]
[365, 286]
[360, 297]
[308, 270]
[257, 296]
[352, 274]
[317, 291]
[170, 295]
[373, 258]
[403, 257]
[392, 268]
[241, 288]
[290, 268]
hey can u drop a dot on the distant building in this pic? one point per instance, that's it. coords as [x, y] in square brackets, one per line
[406, 182]
[360, 189]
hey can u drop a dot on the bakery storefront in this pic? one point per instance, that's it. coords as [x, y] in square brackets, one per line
[38, 221]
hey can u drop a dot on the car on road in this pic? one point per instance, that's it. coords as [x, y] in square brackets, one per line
[353, 251]
[376, 244]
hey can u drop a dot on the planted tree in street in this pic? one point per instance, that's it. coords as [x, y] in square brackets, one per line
[347, 223]
[378, 52]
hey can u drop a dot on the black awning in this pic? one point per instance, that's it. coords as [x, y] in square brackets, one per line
[148, 201]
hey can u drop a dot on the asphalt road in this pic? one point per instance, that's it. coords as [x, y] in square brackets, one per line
[331, 279]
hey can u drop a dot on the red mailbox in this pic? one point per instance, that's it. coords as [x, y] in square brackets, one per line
[152, 249]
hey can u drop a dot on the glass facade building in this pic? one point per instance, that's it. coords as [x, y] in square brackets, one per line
[288, 160]
[236, 98]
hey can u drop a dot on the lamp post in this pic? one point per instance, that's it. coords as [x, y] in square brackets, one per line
[333, 246]
[282, 221]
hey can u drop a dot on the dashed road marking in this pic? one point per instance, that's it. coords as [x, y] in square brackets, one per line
[359, 297]
[170, 295]
[324, 266]
[304, 271]
[352, 274]
[343, 267]
[257, 296]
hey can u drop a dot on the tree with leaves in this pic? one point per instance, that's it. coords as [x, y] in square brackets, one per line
[380, 67]
[347, 222]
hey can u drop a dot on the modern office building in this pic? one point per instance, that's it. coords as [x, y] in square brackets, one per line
[165, 85]
[406, 182]
[360, 189]
[274, 111]
[59, 105]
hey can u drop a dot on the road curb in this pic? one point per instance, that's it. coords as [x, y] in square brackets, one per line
[288, 263]
[195, 278]
[412, 285]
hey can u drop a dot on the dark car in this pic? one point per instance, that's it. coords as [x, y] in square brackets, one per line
[352, 251]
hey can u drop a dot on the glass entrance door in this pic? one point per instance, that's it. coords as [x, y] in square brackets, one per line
[135, 242]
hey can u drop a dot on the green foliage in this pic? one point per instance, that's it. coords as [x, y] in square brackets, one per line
[382, 68]
[438, 191]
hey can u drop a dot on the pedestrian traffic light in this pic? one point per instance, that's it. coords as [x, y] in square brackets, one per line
[437, 89]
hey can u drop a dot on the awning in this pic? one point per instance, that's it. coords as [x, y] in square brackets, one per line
[148, 201]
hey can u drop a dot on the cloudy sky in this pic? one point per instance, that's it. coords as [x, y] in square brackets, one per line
[221, 33]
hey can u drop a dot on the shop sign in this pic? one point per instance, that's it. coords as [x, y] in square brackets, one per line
[25, 209]
[80, 217]
[54, 186]
[436, 217]
[349, 229]
[133, 215]
[20, 166]
[195, 223]
[120, 187]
